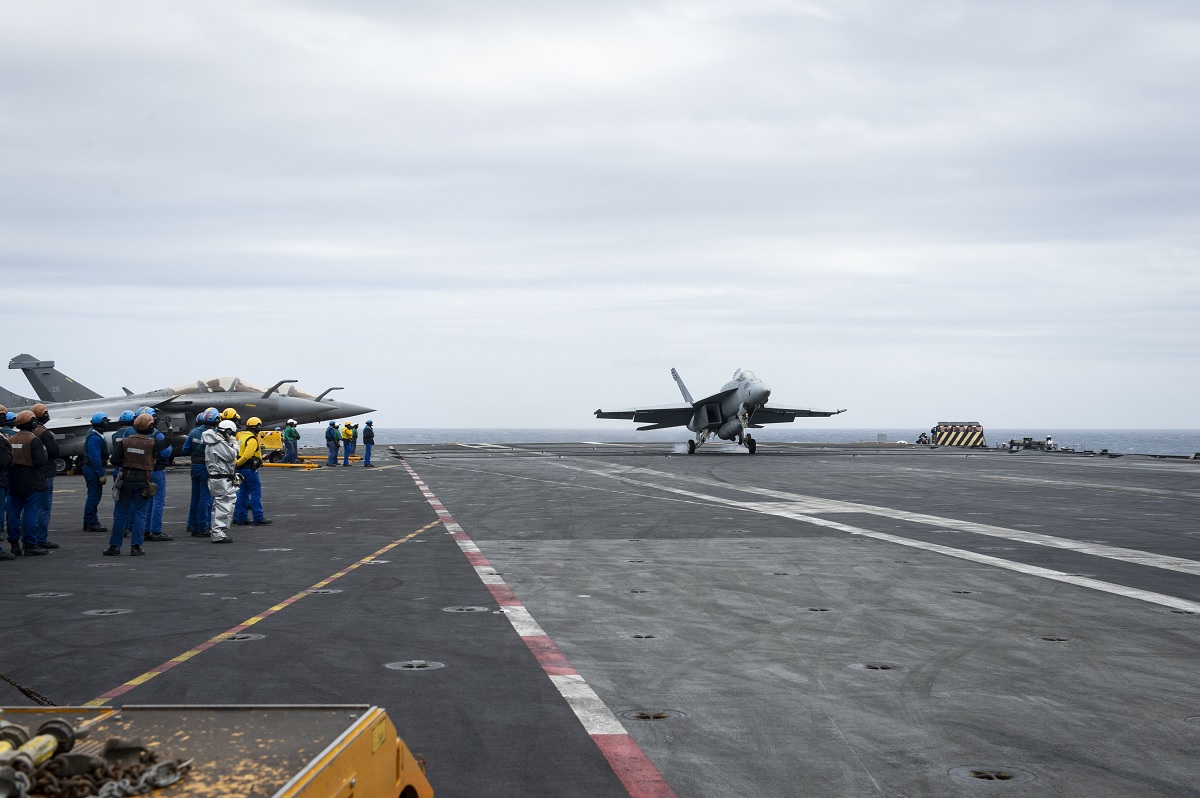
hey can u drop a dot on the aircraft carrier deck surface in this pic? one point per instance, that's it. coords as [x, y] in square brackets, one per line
[610, 620]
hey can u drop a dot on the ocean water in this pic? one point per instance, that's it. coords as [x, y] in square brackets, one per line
[1124, 441]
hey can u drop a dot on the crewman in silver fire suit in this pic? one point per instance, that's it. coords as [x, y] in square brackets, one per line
[220, 453]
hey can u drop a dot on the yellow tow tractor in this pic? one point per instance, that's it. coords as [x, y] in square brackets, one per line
[325, 751]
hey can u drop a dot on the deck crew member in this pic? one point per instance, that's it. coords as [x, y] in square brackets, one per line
[249, 460]
[220, 454]
[200, 503]
[291, 442]
[26, 481]
[347, 443]
[95, 460]
[368, 443]
[5, 462]
[42, 414]
[133, 457]
[162, 459]
[332, 438]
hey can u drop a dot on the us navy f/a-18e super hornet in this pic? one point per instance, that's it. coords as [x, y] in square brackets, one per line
[739, 406]
[73, 405]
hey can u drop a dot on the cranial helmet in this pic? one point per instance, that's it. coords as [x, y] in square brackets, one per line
[99, 418]
[254, 421]
[143, 422]
[229, 414]
[210, 416]
[227, 426]
[38, 410]
[126, 417]
[25, 418]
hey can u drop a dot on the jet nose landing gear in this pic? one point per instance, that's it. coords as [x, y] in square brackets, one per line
[691, 446]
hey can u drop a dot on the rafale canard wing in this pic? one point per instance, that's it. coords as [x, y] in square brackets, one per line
[655, 417]
[782, 415]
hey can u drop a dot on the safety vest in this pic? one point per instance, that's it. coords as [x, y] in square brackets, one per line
[22, 446]
[248, 442]
[139, 452]
[103, 448]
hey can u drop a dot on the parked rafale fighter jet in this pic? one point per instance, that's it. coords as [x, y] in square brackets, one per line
[739, 406]
[72, 405]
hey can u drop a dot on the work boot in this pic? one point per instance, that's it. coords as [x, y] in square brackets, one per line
[201, 533]
[136, 551]
[35, 551]
[263, 522]
[225, 539]
[4, 555]
[158, 536]
[112, 551]
[15, 545]
[241, 523]
[49, 545]
[95, 528]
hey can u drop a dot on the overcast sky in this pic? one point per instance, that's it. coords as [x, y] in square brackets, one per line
[511, 214]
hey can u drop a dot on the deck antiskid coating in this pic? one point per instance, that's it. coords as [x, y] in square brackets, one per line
[637, 773]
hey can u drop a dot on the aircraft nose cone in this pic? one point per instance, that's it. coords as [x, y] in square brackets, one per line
[760, 393]
[346, 410]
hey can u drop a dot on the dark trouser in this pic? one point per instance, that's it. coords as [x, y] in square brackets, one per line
[249, 497]
[43, 516]
[293, 451]
[23, 512]
[91, 505]
[367, 453]
[200, 506]
[130, 510]
[157, 502]
[333, 447]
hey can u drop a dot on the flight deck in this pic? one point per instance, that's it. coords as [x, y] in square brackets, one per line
[595, 619]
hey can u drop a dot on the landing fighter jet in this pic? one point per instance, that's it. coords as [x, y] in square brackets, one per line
[739, 406]
[72, 405]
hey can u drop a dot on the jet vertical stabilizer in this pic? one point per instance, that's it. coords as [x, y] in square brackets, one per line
[687, 395]
[50, 384]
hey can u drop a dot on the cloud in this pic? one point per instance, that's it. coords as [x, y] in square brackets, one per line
[872, 205]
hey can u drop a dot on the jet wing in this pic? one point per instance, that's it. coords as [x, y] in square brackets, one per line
[781, 415]
[656, 417]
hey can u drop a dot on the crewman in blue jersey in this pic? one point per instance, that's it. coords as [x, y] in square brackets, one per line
[162, 459]
[42, 414]
[26, 481]
[133, 456]
[332, 439]
[95, 459]
[5, 462]
[368, 443]
[199, 521]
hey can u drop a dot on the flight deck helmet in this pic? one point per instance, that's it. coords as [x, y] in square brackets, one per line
[99, 419]
[210, 417]
[200, 418]
[126, 417]
[229, 414]
[10, 418]
[253, 423]
[143, 422]
[40, 412]
[370, 422]
[227, 427]
[25, 419]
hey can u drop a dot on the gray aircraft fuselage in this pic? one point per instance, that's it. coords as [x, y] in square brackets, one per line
[177, 407]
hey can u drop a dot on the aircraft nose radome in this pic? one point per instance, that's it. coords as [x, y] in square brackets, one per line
[346, 410]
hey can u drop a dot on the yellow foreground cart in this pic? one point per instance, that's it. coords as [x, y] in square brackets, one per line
[334, 751]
